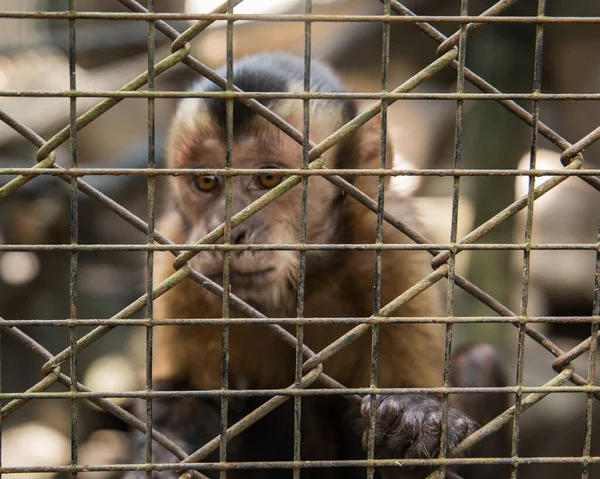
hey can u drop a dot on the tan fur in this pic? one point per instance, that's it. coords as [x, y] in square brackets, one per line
[196, 350]
[410, 354]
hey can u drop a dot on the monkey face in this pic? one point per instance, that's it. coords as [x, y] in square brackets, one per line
[266, 279]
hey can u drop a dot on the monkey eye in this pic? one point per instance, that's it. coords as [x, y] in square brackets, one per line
[268, 181]
[206, 183]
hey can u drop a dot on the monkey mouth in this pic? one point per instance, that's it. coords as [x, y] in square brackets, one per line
[251, 274]
[249, 279]
[242, 278]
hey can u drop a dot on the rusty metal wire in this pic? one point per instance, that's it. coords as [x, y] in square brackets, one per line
[309, 369]
[303, 18]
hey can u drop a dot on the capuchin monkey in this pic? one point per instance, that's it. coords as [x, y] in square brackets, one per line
[337, 284]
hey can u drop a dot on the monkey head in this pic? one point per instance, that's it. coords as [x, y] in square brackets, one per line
[198, 139]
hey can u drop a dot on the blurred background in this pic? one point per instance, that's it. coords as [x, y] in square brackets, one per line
[34, 285]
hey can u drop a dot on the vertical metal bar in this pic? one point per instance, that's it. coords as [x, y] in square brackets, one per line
[385, 60]
[302, 254]
[229, 105]
[150, 239]
[450, 300]
[537, 82]
[1, 402]
[587, 442]
[74, 233]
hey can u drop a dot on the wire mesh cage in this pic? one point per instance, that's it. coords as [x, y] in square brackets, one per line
[101, 80]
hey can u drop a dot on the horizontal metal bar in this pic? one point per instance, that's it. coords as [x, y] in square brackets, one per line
[302, 321]
[297, 95]
[437, 172]
[456, 247]
[297, 392]
[305, 464]
[268, 17]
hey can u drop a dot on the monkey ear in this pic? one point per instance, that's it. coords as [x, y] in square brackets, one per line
[365, 153]
[368, 145]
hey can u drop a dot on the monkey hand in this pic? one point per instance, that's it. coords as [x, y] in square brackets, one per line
[409, 426]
